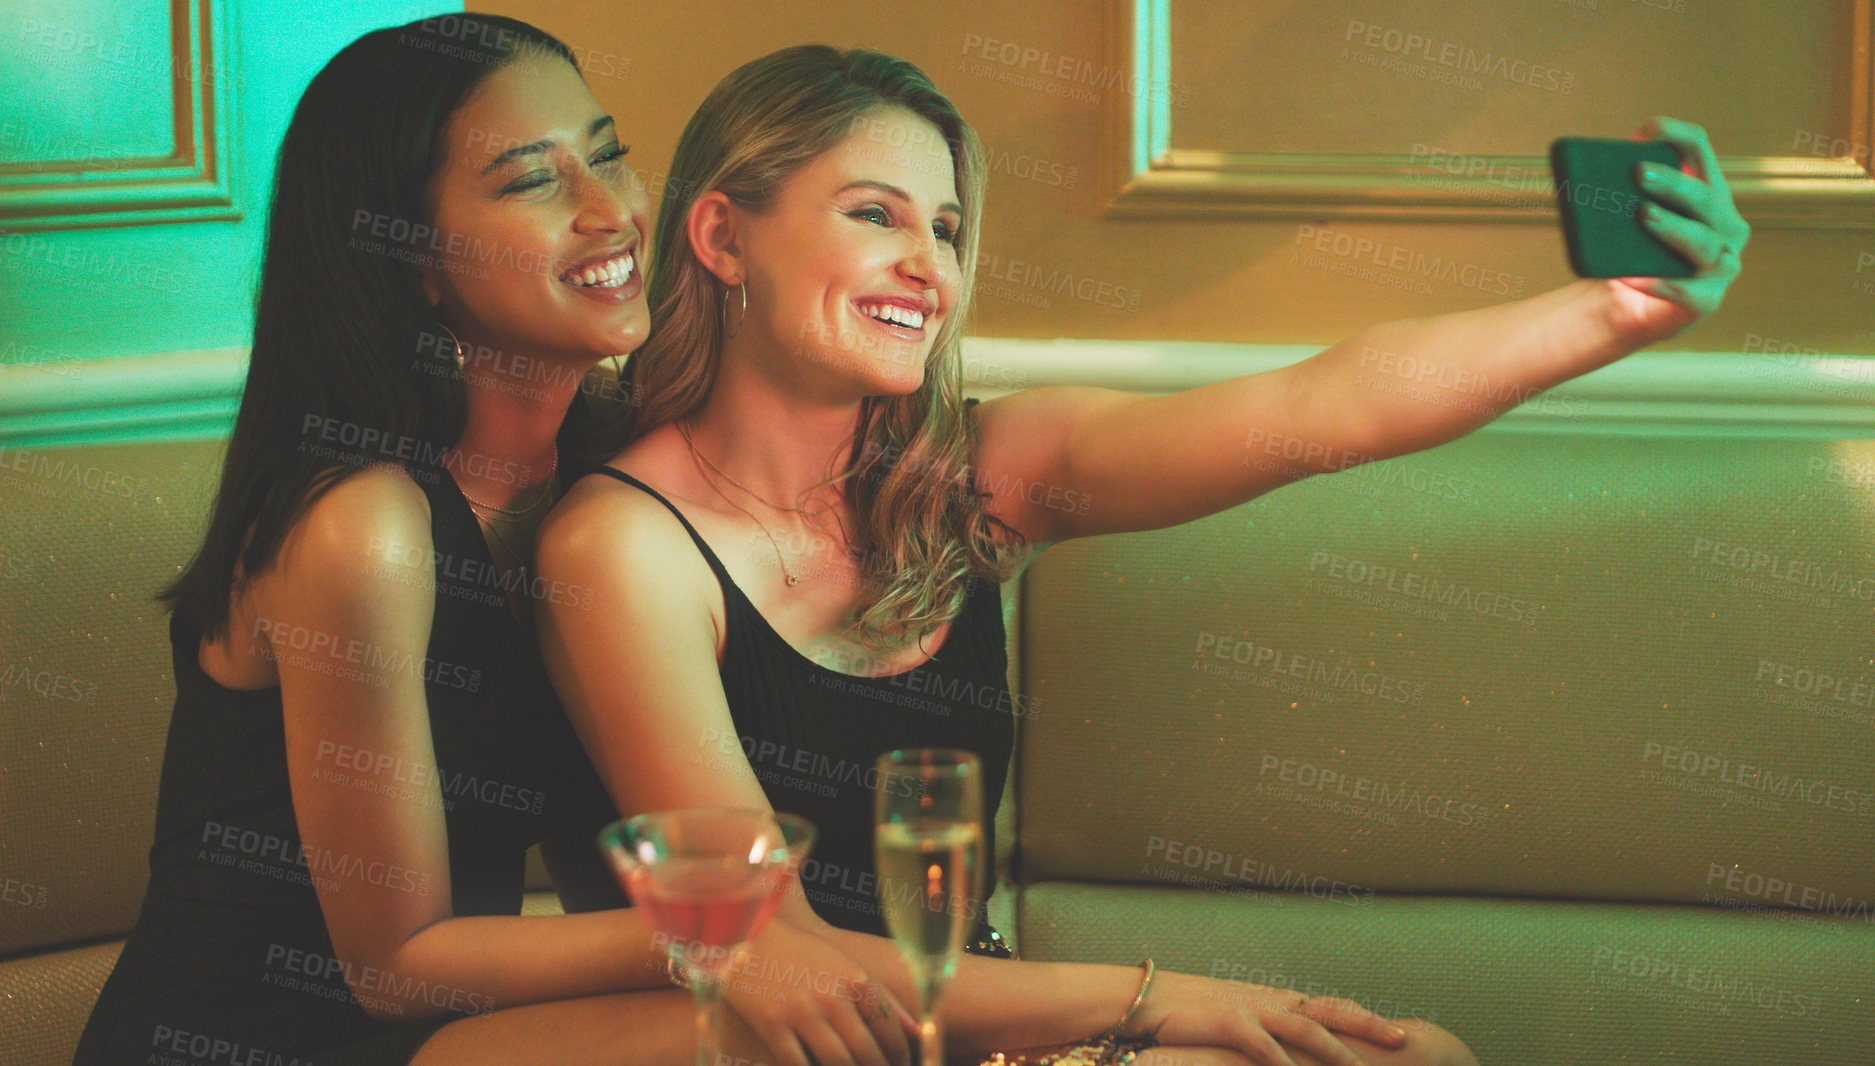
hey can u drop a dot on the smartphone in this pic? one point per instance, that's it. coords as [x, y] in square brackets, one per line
[1600, 202]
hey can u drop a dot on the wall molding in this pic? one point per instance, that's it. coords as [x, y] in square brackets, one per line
[169, 396]
[194, 183]
[1650, 393]
[194, 395]
[1158, 181]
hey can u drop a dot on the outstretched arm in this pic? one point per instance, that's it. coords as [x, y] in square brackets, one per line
[1149, 462]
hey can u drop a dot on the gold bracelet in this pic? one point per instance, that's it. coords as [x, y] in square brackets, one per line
[676, 972]
[1107, 1049]
[1113, 1035]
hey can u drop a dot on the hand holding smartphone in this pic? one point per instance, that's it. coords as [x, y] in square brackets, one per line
[1601, 201]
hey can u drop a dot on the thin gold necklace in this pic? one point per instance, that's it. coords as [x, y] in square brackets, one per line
[491, 518]
[684, 429]
[489, 510]
[781, 559]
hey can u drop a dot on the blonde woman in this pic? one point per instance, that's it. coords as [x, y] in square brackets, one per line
[795, 560]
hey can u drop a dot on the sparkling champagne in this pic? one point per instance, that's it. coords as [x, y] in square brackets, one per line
[928, 886]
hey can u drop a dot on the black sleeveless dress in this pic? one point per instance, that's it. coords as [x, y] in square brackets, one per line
[812, 734]
[230, 961]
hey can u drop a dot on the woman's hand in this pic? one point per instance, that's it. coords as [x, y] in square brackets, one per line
[804, 996]
[1257, 1020]
[1703, 225]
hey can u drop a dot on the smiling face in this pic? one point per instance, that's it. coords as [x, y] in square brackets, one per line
[853, 266]
[538, 221]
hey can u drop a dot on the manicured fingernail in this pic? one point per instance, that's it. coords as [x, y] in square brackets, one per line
[1650, 213]
[1650, 174]
[1396, 1032]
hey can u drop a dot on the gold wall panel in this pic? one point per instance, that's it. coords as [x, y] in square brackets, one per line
[1047, 85]
[139, 130]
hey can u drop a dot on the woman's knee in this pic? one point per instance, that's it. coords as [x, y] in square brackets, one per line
[1430, 1045]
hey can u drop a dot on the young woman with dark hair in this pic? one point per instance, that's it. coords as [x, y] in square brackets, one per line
[364, 743]
[803, 530]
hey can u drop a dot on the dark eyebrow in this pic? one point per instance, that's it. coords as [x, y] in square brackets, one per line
[540, 146]
[895, 191]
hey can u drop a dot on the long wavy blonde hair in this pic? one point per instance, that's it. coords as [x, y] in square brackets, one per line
[922, 534]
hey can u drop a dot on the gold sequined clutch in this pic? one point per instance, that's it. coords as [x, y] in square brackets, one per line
[1093, 1053]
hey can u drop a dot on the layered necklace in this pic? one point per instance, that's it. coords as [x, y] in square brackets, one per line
[703, 461]
[519, 521]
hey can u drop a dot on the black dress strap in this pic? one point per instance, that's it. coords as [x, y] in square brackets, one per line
[716, 565]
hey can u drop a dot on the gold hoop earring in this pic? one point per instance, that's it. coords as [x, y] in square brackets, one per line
[727, 332]
[460, 360]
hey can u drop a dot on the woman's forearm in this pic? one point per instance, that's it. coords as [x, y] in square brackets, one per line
[1001, 1004]
[476, 964]
[1402, 386]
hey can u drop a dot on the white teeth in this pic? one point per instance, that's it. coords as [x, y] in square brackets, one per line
[893, 313]
[607, 275]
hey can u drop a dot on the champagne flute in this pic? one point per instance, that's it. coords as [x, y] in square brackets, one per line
[707, 880]
[928, 846]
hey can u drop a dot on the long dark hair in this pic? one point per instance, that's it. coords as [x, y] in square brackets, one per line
[349, 365]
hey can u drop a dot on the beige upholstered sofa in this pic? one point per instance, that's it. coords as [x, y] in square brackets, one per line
[1562, 736]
